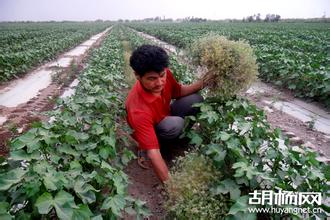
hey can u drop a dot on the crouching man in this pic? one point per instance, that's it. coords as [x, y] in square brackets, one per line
[150, 112]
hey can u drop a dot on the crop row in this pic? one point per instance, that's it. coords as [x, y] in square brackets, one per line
[245, 155]
[72, 168]
[25, 45]
[292, 55]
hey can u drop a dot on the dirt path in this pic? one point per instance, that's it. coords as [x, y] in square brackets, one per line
[144, 184]
[23, 101]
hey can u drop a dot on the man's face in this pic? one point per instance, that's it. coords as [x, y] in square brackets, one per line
[153, 82]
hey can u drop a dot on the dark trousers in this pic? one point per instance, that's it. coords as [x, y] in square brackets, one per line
[171, 126]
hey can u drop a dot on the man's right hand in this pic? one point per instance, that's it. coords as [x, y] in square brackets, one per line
[158, 164]
[208, 78]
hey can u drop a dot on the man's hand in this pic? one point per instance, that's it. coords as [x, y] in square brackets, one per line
[207, 78]
[158, 164]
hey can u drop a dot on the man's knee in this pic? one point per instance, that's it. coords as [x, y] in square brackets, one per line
[184, 106]
[170, 127]
[196, 98]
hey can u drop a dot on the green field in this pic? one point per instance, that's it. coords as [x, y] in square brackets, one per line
[292, 55]
[26, 45]
[74, 167]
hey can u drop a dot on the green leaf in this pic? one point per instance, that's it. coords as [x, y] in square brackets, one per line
[120, 181]
[116, 204]
[98, 217]
[83, 212]
[106, 166]
[109, 140]
[227, 186]
[64, 204]
[127, 156]
[85, 191]
[92, 158]
[97, 129]
[224, 136]
[104, 152]
[44, 203]
[244, 127]
[67, 149]
[22, 155]
[17, 144]
[196, 139]
[211, 116]
[10, 178]
[50, 182]
[241, 205]
[243, 169]
[216, 152]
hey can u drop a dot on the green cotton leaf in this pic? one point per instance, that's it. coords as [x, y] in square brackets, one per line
[204, 107]
[104, 152]
[242, 216]
[4, 211]
[109, 140]
[4, 207]
[64, 204]
[141, 209]
[106, 166]
[67, 149]
[127, 156]
[315, 174]
[120, 182]
[75, 165]
[224, 136]
[216, 152]
[85, 191]
[97, 129]
[4, 215]
[98, 217]
[73, 137]
[83, 212]
[227, 186]
[17, 144]
[241, 205]
[93, 158]
[22, 155]
[22, 216]
[10, 178]
[116, 204]
[27, 137]
[44, 203]
[244, 127]
[243, 169]
[49, 182]
[196, 139]
[211, 116]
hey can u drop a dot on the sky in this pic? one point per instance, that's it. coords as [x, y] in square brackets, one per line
[79, 10]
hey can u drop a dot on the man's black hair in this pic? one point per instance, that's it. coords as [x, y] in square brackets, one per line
[147, 58]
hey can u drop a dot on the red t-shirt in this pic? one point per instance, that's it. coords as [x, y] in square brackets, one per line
[145, 110]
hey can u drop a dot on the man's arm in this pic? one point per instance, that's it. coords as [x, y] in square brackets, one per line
[192, 88]
[207, 78]
[158, 164]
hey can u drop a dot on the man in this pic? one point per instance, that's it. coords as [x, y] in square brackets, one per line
[149, 110]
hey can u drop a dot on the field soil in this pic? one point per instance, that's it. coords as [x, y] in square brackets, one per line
[18, 119]
[300, 132]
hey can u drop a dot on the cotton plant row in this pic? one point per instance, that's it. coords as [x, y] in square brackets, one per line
[72, 168]
[26, 45]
